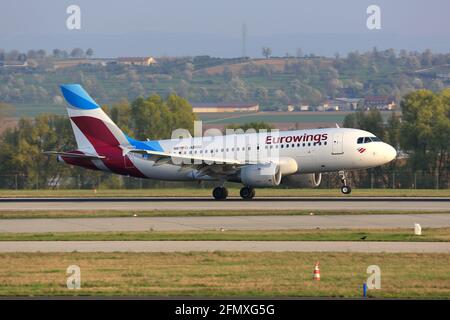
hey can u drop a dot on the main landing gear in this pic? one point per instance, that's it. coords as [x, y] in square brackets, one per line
[221, 193]
[345, 189]
[247, 193]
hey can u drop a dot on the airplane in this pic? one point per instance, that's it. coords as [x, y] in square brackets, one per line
[294, 158]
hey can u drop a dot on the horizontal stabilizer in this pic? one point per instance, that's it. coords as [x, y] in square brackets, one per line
[74, 155]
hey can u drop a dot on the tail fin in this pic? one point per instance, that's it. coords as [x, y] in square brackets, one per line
[92, 127]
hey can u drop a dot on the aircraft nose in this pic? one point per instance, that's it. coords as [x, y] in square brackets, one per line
[390, 153]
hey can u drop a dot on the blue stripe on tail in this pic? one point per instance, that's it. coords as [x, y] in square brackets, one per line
[145, 145]
[77, 97]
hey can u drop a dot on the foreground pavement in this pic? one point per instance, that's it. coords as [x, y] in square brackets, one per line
[381, 221]
[208, 246]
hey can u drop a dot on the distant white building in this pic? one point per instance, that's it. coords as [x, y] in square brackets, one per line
[224, 107]
[304, 107]
[136, 61]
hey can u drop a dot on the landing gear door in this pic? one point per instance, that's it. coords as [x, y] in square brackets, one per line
[338, 143]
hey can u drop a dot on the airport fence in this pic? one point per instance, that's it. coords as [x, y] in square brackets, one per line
[373, 178]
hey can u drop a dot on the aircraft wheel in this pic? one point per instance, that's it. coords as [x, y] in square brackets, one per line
[247, 193]
[346, 189]
[220, 193]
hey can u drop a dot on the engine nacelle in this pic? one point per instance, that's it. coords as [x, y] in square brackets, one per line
[261, 175]
[303, 180]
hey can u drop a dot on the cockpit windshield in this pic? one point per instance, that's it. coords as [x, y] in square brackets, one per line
[368, 139]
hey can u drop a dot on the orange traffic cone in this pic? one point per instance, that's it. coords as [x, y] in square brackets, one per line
[316, 275]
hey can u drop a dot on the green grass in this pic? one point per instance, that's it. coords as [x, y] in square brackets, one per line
[216, 274]
[203, 192]
[440, 234]
[31, 214]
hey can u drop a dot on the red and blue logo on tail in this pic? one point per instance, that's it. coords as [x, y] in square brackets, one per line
[97, 134]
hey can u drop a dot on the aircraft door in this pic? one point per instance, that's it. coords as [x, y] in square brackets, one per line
[338, 143]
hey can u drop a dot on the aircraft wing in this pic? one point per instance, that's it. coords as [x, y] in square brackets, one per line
[74, 155]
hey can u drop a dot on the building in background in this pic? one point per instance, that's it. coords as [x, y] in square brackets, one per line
[341, 104]
[379, 102]
[136, 61]
[224, 107]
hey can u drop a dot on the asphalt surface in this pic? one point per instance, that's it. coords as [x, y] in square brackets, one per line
[272, 203]
[251, 246]
[282, 222]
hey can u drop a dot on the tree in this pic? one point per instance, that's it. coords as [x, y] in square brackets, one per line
[77, 53]
[5, 111]
[90, 52]
[266, 52]
[41, 53]
[56, 53]
[425, 131]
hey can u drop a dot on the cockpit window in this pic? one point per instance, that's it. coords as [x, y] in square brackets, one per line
[367, 139]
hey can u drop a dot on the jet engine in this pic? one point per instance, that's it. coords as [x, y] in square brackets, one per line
[303, 180]
[261, 175]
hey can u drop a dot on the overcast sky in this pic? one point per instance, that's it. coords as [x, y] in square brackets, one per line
[20, 20]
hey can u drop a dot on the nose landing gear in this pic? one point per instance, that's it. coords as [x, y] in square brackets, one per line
[345, 189]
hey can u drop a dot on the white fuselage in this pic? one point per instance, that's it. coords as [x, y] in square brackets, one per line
[316, 150]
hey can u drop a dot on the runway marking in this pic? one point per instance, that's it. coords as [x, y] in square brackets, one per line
[209, 246]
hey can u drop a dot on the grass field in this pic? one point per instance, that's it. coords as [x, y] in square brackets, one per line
[206, 192]
[224, 274]
[434, 234]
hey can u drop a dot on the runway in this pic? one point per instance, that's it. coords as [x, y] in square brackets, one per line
[267, 203]
[282, 222]
[250, 246]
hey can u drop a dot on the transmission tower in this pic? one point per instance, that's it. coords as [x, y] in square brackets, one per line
[244, 40]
